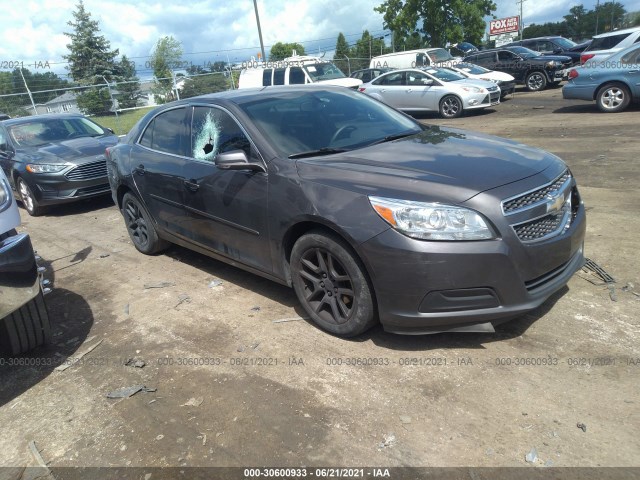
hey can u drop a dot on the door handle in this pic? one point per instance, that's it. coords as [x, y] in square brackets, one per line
[409, 90]
[139, 169]
[191, 185]
[633, 71]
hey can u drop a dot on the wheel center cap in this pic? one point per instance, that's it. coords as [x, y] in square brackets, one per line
[328, 284]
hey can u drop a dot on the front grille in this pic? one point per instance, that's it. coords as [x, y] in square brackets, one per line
[495, 97]
[537, 196]
[492, 89]
[89, 171]
[542, 280]
[540, 227]
[95, 190]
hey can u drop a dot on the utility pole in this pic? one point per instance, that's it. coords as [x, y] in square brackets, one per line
[255, 6]
[521, 25]
[29, 92]
[597, 15]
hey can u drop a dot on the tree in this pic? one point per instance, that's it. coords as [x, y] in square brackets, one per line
[365, 48]
[129, 85]
[280, 51]
[203, 84]
[438, 22]
[90, 55]
[165, 58]
[342, 52]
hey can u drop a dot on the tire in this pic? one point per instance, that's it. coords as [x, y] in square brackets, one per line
[536, 81]
[26, 328]
[613, 97]
[140, 226]
[450, 107]
[321, 266]
[29, 201]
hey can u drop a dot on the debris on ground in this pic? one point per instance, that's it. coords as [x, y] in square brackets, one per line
[73, 360]
[129, 391]
[183, 298]
[539, 107]
[126, 309]
[292, 319]
[135, 363]
[158, 285]
[405, 419]
[612, 293]
[532, 456]
[193, 402]
[592, 268]
[582, 427]
[548, 463]
[255, 309]
[240, 349]
[388, 440]
[215, 283]
[104, 255]
[41, 463]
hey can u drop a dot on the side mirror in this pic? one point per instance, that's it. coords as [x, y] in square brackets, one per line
[427, 82]
[6, 150]
[109, 130]
[236, 160]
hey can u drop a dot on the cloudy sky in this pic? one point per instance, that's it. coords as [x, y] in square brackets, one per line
[210, 30]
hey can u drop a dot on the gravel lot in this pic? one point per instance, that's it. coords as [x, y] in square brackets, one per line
[241, 380]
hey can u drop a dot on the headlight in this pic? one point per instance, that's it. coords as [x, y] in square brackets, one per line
[5, 195]
[553, 64]
[432, 221]
[44, 167]
[474, 89]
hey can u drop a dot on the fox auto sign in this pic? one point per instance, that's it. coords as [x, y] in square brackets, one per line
[504, 25]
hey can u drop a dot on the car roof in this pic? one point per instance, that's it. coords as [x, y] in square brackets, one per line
[46, 116]
[618, 32]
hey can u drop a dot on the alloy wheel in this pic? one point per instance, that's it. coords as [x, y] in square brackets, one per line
[136, 224]
[450, 107]
[612, 98]
[26, 196]
[535, 82]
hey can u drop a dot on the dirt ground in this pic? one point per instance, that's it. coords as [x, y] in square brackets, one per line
[241, 380]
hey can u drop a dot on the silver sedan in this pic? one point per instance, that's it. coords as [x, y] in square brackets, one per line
[432, 89]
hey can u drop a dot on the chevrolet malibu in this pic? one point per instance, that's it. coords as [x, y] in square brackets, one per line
[51, 159]
[369, 215]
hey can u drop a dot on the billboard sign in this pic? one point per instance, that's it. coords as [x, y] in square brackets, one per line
[504, 25]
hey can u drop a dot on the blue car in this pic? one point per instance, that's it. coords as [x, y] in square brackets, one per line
[613, 83]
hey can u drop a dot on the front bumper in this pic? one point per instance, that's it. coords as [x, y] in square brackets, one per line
[424, 287]
[20, 277]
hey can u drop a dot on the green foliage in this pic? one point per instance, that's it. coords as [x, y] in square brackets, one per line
[342, 52]
[123, 122]
[164, 59]
[95, 101]
[280, 51]
[129, 89]
[12, 83]
[208, 83]
[437, 22]
[90, 55]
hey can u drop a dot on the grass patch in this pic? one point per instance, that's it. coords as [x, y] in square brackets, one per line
[123, 123]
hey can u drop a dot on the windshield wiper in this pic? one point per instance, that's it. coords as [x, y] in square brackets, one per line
[318, 152]
[391, 138]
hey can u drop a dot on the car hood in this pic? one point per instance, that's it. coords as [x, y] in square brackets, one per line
[549, 58]
[76, 150]
[439, 164]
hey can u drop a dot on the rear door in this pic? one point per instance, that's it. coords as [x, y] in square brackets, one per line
[630, 63]
[227, 209]
[158, 160]
[391, 88]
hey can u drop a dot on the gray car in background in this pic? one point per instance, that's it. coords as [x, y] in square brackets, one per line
[613, 83]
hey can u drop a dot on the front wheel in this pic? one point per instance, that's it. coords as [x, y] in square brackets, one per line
[28, 199]
[26, 328]
[536, 81]
[450, 107]
[331, 284]
[140, 226]
[613, 98]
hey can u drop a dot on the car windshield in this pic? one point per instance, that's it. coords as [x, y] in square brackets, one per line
[445, 75]
[471, 68]
[524, 52]
[42, 131]
[565, 42]
[323, 71]
[324, 121]
[439, 55]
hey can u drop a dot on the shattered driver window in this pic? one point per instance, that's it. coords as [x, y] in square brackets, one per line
[214, 131]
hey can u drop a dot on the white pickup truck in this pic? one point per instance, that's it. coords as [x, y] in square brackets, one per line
[24, 321]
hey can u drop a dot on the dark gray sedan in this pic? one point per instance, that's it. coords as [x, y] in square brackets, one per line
[368, 214]
[51, 159]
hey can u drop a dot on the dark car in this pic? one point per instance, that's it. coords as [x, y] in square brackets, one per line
[530, 68]
[368, 74]
[550, 46]
[51, 159]
[367, 213]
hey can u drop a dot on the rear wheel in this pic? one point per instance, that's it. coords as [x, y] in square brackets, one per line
[26, 328]
[613, 98]
[450, 107]
[28, 199]
[331, 284]
[140, 226]
[536, 81]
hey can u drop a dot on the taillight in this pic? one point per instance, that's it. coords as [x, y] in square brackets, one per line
[361, 89]
[586, 56]
[573, 74]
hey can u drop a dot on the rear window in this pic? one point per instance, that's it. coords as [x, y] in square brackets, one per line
[266, 77]
[605, 43]
[278, 76]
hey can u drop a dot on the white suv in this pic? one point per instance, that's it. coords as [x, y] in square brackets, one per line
[606, 44]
